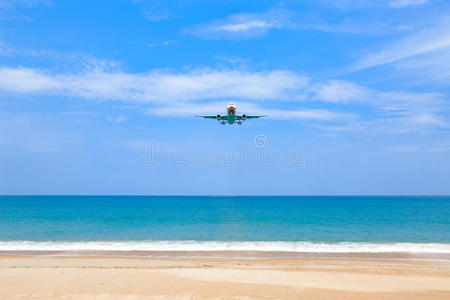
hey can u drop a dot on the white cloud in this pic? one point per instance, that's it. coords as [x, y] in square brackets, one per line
[174, 93]
[387, 103]
[25, 80]
[116, 119]
[414, 123]
[243, 26]
[361, 24]
[165, 87]
[156, 86]
[248, 25]
[309, 114]
[339, 91]
[428, 41]
[407, 104]
[395, 112]
[163, 43]
[365, 4]
[403, 3]
[432, 67]
[421, 123]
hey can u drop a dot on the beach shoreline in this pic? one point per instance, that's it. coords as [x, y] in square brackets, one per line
[87, 277]
[237, 254]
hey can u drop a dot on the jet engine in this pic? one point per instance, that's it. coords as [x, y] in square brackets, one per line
[218, 117]
[244, 116]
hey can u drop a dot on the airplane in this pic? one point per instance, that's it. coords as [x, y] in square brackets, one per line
[231, 116]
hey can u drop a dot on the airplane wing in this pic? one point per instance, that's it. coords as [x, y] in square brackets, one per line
[244, 117]
[213, 117]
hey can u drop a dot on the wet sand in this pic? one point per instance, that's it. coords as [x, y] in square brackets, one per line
[234, 254]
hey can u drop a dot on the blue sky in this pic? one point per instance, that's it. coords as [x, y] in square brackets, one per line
[100, 97]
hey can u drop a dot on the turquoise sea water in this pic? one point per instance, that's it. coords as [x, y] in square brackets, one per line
[193, 218]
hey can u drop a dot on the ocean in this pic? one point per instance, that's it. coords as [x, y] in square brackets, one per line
[323, 226]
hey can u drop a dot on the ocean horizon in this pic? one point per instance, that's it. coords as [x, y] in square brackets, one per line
[278, 226]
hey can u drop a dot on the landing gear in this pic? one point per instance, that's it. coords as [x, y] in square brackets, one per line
[223, 123]
[239, 123]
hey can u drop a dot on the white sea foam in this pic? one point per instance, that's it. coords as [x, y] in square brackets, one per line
[268, 246]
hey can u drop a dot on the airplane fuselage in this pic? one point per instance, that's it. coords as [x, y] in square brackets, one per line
[231, 114]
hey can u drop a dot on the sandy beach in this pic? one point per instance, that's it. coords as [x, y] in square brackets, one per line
[42, 277]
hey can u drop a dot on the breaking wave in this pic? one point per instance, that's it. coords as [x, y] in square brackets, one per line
[268, 246]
